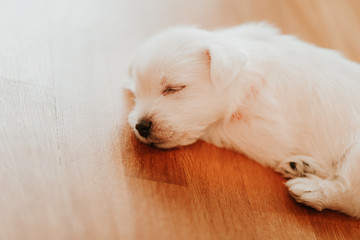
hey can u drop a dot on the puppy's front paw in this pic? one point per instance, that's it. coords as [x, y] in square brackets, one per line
[297, 166]
[308, 191]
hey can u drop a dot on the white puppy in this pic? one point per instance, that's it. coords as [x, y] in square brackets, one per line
[287, 104]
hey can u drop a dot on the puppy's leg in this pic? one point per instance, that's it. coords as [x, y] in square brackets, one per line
[316, 192]
[340, 192]
[300, 166]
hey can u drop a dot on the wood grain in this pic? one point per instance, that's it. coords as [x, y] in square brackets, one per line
[70, 167]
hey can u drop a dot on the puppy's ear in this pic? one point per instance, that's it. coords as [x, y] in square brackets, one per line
[225, 65]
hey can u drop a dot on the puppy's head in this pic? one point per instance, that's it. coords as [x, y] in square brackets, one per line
[179, 79]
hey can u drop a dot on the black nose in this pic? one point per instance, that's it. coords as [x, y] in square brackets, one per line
[143, 127]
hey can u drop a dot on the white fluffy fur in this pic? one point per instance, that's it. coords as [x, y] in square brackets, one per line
[285, 103]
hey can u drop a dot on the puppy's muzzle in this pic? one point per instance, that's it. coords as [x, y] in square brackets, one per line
[143, 127]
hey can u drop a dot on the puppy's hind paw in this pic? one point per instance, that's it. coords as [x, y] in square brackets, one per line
[307, 191]
[297, 166]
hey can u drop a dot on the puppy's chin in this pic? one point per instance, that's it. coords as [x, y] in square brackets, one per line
[167, 144]
[162, 144]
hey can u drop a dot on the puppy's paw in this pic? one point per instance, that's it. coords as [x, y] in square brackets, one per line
[308, 191]
[297, 166]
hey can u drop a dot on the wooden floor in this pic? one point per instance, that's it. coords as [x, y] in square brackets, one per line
[70, 168]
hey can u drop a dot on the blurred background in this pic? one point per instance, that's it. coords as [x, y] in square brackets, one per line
[70, 167]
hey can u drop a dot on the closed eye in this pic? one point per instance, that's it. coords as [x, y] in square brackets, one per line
[172, 89]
